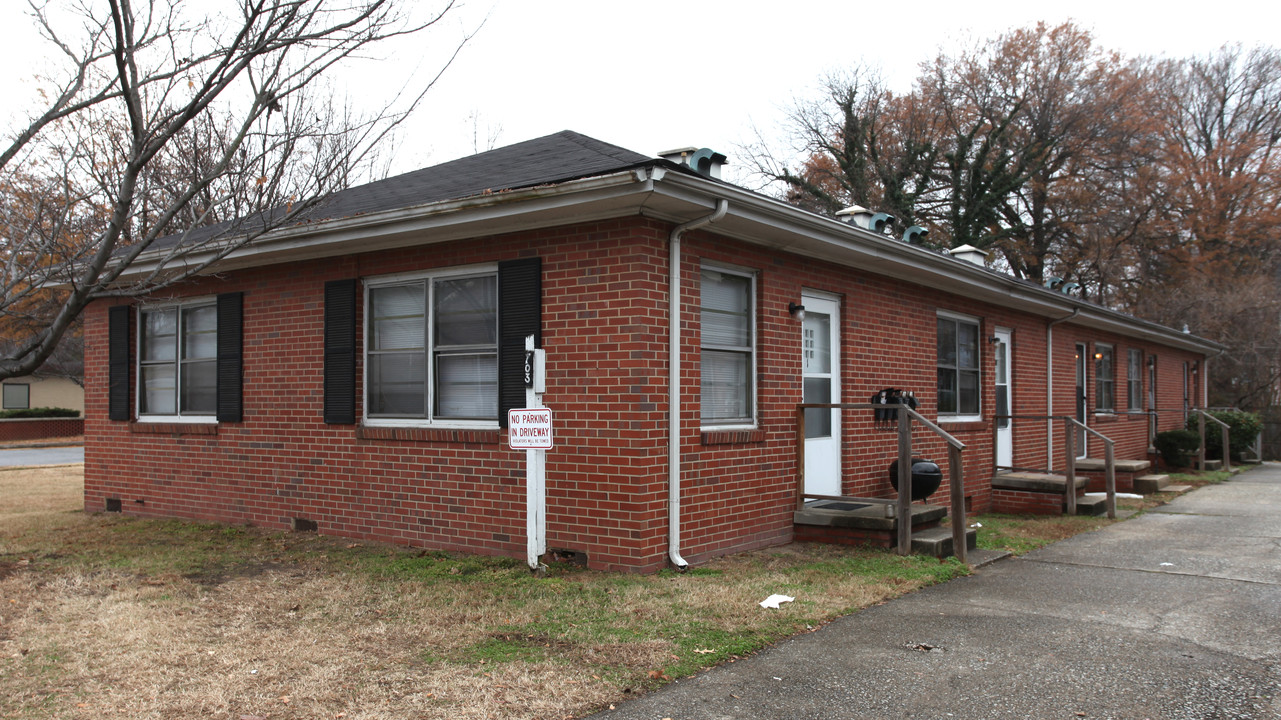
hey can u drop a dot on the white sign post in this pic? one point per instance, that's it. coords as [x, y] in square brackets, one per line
[530, 428]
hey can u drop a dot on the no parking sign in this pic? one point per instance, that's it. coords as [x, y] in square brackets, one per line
[529, 429]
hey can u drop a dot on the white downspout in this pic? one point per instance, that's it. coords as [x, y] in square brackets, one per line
[674, 382]
[1049, 388]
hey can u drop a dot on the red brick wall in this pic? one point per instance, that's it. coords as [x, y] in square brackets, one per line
[39, 428]
[443, 489]
[1023, 502]
[604, 310]
[1129, 430]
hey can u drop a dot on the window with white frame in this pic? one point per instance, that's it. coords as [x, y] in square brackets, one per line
[727, 346]
[958, 366]
[1104, 393]
[178, 360]
[17, 396]
[432, 348]
[1134, 379]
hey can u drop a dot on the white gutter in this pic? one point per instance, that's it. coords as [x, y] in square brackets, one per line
[416, 225]
[768, 222]
[674, 381]
[1049, 387]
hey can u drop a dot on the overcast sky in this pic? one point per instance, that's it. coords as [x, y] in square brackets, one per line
[661, 74]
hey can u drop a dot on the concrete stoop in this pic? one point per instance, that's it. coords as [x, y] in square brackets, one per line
[852, 523]
[1211, 465]
[1032, 493]
[937, 542]
[1151, 483]
[1091, 505]
[1127, 471]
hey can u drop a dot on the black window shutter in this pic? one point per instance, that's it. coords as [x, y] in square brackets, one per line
[340, 352]
[520, 313]
[118, 405]
[230, 357]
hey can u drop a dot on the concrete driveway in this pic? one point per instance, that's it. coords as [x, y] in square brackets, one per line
[1174, 614]
[29, 456]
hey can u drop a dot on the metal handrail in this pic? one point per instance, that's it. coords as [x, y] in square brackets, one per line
[935, 428]
[956, 485]
[1069, 449]
[1109, 465]
[1223, 428]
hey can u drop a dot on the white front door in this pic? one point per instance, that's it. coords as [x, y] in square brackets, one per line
[821, 367]
[1004, 402]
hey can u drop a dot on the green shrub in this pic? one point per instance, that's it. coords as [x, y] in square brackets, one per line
[1244, 427]
[41, 412]
[1177, 447]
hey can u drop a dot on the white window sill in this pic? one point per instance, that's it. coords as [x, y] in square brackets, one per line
[727, 428]
[186, 419]
[431, 425]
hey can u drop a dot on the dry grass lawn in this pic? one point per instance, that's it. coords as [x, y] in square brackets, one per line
[108, 616]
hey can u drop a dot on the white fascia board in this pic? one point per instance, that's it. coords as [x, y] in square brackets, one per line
[595, 198]
[671, 196]
[1102, 319]
[760, 220]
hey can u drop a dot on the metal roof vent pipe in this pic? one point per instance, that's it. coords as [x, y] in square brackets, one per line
[915, 235]
[859, 216]
[705, 161]
[969, 253]
[856, 215]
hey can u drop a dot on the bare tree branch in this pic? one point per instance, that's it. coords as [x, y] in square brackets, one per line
[206, 128]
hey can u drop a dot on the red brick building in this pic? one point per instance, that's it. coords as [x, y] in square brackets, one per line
[353, 373]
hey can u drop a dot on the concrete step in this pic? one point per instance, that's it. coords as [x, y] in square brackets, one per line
[1150, 483]
[1091, 505]
[1034, 482]
[937, 542]
[1122, 466]
[1176, 488]
[867, 516]
[1213, 464]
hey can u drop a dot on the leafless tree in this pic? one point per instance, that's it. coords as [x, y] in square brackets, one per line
[173, 117]
[858, 144]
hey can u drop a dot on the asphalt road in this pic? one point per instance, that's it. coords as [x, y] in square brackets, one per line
[1175, 614]
[24, 457]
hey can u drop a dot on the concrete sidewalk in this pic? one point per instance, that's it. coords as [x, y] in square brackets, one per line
[1174, 614]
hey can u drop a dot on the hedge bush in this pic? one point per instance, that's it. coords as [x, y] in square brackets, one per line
[41, 412]
[1177, 447]
[1244, 427]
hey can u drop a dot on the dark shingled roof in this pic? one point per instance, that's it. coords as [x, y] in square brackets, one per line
[563, 156]
[560, 157]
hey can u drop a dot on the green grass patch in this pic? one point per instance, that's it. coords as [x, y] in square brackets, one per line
[1200, 479]
[1021, 534]
[446, 619]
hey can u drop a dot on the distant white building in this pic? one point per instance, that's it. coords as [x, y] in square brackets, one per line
[34, 391]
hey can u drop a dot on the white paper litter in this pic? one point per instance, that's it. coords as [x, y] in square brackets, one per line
[1167, 564]
[773, 601]
[1130, 496]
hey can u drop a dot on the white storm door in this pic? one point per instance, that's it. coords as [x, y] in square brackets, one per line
[822, 384]
[1004, 402]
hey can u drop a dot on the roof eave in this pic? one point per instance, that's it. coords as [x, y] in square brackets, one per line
[599, 197]
[789, 228]
[659, 192]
